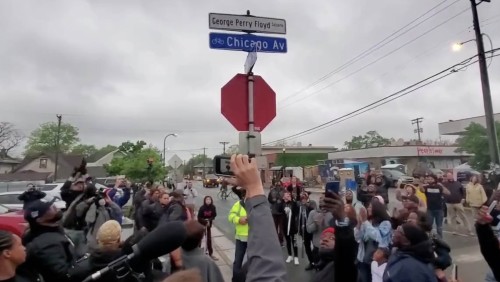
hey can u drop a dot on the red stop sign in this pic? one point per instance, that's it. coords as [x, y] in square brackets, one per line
[234, 102]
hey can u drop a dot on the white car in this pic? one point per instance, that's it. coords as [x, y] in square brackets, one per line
[11, 201]
[54, 189]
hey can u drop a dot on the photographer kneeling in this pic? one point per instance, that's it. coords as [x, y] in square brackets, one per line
[96, 211]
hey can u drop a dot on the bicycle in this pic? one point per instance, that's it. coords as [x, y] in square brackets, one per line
[217, 41]
[224, 194]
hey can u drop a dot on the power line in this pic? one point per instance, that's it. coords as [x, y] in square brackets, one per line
[405, 91]
[378, 59]
[376, 46]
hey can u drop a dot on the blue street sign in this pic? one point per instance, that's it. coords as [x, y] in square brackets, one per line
[247, 42]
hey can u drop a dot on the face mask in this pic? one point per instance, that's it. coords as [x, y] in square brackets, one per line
[102, 202]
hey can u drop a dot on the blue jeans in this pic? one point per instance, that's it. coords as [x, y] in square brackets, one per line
[436, 216]
[239, 255]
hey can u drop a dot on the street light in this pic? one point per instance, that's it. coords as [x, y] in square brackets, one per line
[457, 46]
[164, 147]
[485, 85]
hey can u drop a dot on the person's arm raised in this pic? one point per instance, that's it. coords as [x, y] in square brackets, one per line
[265, 259]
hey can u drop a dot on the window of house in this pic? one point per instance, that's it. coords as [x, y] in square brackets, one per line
[43, 163]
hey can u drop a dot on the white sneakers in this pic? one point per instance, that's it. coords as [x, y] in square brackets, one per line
[295, 260]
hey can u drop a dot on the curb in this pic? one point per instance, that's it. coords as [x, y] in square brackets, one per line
[218, 249]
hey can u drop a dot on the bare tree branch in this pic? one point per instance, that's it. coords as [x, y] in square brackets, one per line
[10, 137]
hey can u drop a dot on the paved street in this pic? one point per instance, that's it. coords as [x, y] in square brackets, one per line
[465, 251]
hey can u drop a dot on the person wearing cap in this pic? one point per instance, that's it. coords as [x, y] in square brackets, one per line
[412, 260]
[49, 250]
[338, 247]
[326, 253]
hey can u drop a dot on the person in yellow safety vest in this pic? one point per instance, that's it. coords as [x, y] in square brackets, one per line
[420, 195]
[238, 217]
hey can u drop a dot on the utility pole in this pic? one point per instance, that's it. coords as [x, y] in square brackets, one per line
[419, 130]
[58, 139]
[204, 161]
[485, 84]
[224, 146]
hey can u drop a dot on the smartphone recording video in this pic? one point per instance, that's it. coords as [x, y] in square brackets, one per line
[333, 187]
[222, 166]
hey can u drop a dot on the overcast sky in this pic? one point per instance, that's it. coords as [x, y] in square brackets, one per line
[127, 70]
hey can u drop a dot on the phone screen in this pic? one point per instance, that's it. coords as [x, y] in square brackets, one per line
[492, 206]
[333, 187]
[222, 165]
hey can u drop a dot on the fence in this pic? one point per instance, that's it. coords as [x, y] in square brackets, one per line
[17, 185]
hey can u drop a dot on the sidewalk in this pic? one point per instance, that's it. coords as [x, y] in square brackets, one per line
[224, 251]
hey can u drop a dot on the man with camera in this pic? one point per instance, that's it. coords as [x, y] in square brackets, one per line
[73, 192]
[95, 211]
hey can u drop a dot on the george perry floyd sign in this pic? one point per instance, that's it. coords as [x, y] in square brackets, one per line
[246, 23]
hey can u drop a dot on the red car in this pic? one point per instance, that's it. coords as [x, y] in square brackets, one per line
[12, 221]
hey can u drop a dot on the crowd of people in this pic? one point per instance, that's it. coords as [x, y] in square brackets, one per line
[348, 236]
[405, 244]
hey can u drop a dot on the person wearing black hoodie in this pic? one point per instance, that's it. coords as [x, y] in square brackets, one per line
[49, 250]
[488, 243]
[206, 215]
[414, 257]
[337, 241]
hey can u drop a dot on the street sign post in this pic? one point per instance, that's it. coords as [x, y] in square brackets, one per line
[235, 104]
[250, 144]
[240, 95]
[175, 162]
[247, 42]
[246, 23]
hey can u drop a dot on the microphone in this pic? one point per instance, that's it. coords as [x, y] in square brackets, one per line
[162, 240]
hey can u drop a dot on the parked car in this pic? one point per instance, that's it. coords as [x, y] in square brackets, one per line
[11, 201]
[54, 189]
[393, 176]
[12, 220]
[211, 180]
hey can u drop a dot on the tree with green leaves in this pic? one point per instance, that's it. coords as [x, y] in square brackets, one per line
[475, 141]
[84, 150]
[194, 161]
[370, 139]
[135, 163]
[44, 138]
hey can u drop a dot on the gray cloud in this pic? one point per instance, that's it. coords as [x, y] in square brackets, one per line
[126, 70]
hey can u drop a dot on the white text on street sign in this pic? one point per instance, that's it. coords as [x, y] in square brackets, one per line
[246, 23]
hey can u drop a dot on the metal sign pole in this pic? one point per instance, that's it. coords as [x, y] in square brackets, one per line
[251, 128]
